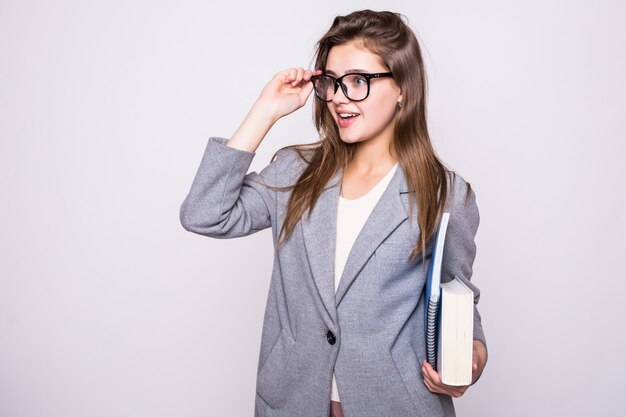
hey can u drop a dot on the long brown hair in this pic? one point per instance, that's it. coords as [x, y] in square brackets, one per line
[386, 35]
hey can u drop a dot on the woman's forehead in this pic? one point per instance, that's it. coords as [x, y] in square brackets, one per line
[351, 57]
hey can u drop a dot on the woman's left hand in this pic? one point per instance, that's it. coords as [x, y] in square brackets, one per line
[432, 380]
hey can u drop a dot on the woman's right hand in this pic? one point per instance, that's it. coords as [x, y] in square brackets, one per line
[286, 92]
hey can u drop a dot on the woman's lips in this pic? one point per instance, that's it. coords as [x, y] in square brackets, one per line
[346, 122]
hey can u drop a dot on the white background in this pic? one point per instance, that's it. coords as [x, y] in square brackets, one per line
[108, 308]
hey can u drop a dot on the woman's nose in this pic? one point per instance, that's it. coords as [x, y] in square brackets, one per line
[339, 97]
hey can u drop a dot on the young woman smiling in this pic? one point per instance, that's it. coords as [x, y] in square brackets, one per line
[353, 218]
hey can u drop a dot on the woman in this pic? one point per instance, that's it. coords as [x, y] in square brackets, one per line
[344, 324]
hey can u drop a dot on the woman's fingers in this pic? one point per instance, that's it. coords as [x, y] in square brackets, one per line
[306, 91]
[286, 77]
[445, 389]
[429, 372]
[297, 81]
[293, 76]
[288, 90]
[433, 382]
[298, 77]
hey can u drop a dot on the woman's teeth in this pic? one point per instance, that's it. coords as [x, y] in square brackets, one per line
[347, 115]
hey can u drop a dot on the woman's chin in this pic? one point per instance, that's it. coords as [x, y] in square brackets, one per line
[349, 138]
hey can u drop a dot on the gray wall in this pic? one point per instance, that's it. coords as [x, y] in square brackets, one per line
[109, 308]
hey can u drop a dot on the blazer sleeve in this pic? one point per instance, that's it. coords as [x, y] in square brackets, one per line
[223, 201]
[460, 248]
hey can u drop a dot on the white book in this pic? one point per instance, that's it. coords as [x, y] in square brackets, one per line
[455, 333]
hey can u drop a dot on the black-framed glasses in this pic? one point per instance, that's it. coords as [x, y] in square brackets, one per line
[355, 85]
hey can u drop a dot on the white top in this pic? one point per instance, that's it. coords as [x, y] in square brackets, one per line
[351, 216]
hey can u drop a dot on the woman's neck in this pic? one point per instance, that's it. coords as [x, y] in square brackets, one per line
[373, 158]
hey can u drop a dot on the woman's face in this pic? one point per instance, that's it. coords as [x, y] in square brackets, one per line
[373, 117]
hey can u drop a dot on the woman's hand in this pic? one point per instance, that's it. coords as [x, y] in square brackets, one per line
[286, 92]
[432, 380]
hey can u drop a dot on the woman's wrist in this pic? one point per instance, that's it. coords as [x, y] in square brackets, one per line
[253, 129]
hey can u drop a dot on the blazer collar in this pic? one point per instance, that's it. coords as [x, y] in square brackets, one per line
[320, 234]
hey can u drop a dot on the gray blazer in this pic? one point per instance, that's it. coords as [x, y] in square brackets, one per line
[371, 331]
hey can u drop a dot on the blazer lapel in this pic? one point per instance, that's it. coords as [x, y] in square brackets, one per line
[320, 235]
[386, 216]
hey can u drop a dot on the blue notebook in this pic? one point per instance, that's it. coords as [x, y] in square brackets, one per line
[433, 291]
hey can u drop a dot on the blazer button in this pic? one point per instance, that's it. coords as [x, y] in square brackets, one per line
[330, 337]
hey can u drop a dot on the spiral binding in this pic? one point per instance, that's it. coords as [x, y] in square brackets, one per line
[431, 334]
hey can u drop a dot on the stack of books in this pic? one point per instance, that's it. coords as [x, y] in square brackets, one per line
[449, 319]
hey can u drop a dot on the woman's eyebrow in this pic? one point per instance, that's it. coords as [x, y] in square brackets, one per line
[347, 71]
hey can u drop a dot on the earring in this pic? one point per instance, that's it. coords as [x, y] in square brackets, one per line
[399, 104]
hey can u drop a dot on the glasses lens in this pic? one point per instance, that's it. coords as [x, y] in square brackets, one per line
[356, 86]
[325, 87]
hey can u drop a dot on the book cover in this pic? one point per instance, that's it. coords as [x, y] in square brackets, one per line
[433, 291]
